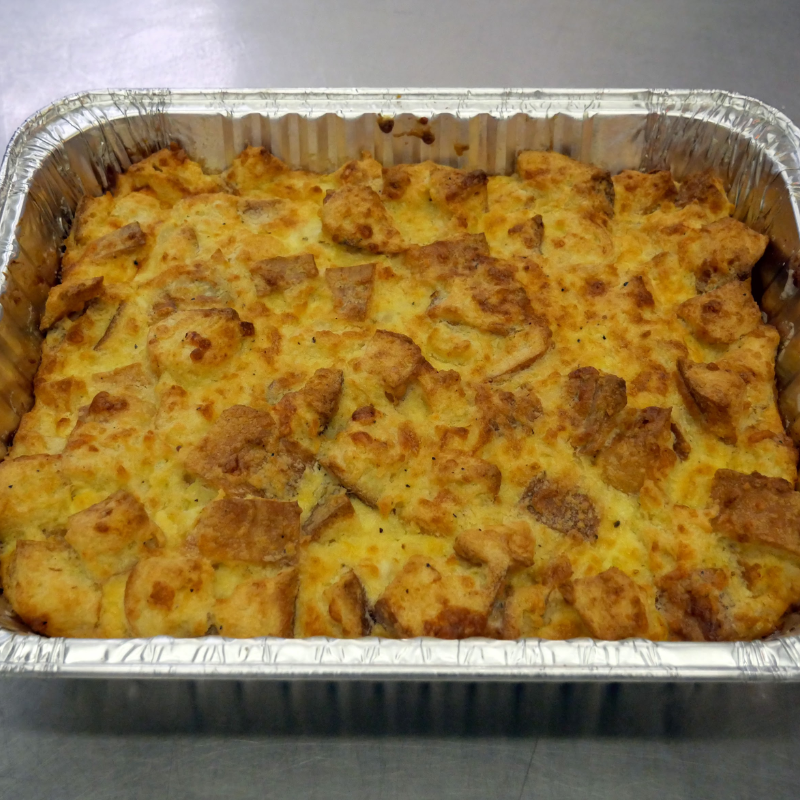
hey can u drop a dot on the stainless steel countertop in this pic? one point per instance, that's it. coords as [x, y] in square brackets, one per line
[134, 739]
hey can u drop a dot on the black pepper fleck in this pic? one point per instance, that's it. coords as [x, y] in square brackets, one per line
[616, 524]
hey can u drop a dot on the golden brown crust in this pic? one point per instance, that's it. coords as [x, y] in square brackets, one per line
[303, 415]
[348, 605]
[642, 192]
[720, 252]
[499, 548]
[508, 413]
[449, 257]
[595, 398]
[463, 194]
[490, 299]
[123, 241]
[530, 232]
[251, 530]
[49, 589]
[242, 455]
[638, 291]
[394, 359]
[611, 605]
[715, 395]
[641, 450]
[693, 605]
[282, 272]
[170, 595]
[423, 601]
[755, 509]
[351, 288]
[70, 298]
[197, 341]
[259, 607]
[355, 216]
[396, 181]
[723, 315]
[112, 535]
[561, 507]
[704, 188]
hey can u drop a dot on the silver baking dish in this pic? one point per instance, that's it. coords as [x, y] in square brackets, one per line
[78, 144]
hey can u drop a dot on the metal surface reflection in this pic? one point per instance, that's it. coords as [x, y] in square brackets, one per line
[137, 739]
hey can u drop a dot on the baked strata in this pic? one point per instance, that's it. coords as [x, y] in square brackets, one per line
[412, 401]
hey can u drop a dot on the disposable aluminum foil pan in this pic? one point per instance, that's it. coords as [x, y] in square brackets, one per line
[79, 144]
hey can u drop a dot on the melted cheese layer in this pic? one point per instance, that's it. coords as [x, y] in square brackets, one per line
[413, 401]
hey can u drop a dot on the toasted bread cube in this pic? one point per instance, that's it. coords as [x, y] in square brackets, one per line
[355, 216]
[25, 481]
[595, 399]
[587, 185]
[530, 233]
[259, 607]
[283, 272]
[70, 298]
[170, 595]
[395, 359]
[448, 257]
[755, 509]
[463, 194]
[427, 599]
[722, 251]
[611, 605]
[642, 192]
[641, 450]
[366, 171]
[705, 189]
[722, 315]
[715, 395]
[327, 514]
[111, 536]
[348, 605]
[692, 605]
[48, 587]
[351, 288]
[499, 548]
[255, 168]
[251, 530]
[243, 455]
[170, 175]
[561, 507]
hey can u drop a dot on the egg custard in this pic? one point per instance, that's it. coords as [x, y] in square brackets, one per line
[413, 401]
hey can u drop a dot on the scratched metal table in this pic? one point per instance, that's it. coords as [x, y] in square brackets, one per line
[135, 739]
